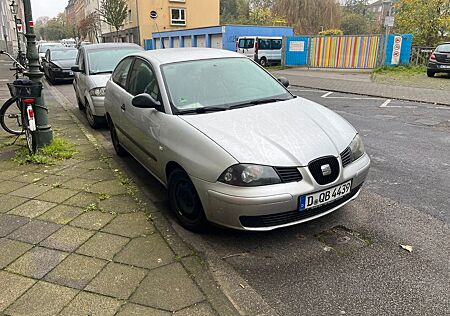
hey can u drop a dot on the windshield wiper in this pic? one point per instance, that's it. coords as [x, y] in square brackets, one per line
[101, 72]
[256, 102]
[203, 110]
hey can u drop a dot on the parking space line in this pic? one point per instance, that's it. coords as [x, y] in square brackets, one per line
[326, 95]
[385, 103]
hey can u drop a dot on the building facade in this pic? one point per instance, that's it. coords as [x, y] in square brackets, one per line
[172, 15]
[8, 32]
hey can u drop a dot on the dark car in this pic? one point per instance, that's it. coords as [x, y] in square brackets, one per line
[57, 63]
[439, 60]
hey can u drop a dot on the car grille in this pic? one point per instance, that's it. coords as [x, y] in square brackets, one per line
[442, 57]
[346, 157]
[315, 167]
[289, 174]
[293, 216]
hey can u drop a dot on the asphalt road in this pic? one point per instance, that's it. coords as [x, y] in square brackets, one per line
[351, 262]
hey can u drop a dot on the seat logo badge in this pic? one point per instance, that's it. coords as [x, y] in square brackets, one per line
[326, 170]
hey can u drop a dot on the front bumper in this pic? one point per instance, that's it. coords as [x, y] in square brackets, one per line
[274, 206]
[63, 75]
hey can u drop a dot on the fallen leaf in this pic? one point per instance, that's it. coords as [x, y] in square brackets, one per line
[407, 248]
[241, 285]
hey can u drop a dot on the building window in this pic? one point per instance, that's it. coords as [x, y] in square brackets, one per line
[129, 16]
[177, 16]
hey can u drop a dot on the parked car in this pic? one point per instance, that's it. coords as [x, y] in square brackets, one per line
[83, 43]
[439, 60]
[265, 50]
[94, 66]
[57, 64]
[42, 49]
[238, 151]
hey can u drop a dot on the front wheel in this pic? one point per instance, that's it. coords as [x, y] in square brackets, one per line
[185, 202]
[430, 73]
[94, 121]
[10, 117]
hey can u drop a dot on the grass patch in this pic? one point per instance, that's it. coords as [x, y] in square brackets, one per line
[275, 68]
[403, 70]
[58, 149]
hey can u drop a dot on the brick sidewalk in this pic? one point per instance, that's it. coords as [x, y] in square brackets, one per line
[78, 238]
[346, 82]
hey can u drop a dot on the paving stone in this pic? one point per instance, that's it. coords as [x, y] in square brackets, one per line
[117, 280]
[168, 288]
[57, 195]
[119, 204]
[201, 309]
[111, 187]
[32, 208]
[91, 304]
[131, 309]
[61, 214]
[99, 174]
[146, 252]
[82, 199]
[76, 271]
[92, 220]
[34, 231]
[8, 202]
[10, 174]
[10, 250]
[103, 246]
[31, 190]
[130, 225]
[68, 238]
[30, 177]
[94, 165]
[42, 299]
[75, 171]
[9, 223]
[37, 262]
[79, 184]
[12, 286]
[53, 180]
[9, 186]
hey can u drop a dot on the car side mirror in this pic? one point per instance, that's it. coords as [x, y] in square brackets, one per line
[284, 81]
[75, 68]
[44, 59]
[145, 101]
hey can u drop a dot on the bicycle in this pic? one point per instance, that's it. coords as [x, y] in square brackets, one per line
[17, 113]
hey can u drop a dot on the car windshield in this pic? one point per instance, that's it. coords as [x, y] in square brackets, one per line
[219, 83]
[43, 48]
[104, 61]
[445, 48]
[64, 54]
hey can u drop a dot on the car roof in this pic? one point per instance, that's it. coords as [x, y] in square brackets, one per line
[173, 55]
[61, 49]
[109, 45]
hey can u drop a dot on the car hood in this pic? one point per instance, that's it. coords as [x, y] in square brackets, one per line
[99, 81]
[64, 64]
[287, 133]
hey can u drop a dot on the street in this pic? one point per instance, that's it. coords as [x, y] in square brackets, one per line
[351, 261]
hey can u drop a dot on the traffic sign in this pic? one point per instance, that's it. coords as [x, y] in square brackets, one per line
[20, 28]
[389, 21]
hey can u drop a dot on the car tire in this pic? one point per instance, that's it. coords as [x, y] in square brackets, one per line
[81, 106]
[120, 151]
[263, 62]
[430, 73]
[94, 121]
[185, 202]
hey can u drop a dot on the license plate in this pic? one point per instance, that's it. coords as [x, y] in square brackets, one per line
[324, 197]
[71, 73]
[444, 67]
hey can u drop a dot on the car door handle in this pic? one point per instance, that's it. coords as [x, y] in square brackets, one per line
[122, 107]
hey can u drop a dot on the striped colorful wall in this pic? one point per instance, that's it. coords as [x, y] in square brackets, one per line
[344, 51]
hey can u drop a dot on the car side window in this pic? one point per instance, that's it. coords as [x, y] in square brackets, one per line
[264, 44]
[120, 74]
[276, 44]
[143, 80]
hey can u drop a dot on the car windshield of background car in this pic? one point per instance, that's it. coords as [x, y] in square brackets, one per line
[102, 61]
[43, 48]
[443, 48]
[218, 83]
[64, 54]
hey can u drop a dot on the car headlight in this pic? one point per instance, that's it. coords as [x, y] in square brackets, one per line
[246, 175]
[97, 92]
[357, 147]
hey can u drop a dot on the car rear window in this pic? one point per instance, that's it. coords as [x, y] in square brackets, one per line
[444, 48]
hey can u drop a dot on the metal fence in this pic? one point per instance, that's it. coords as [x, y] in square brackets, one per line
[420, 55]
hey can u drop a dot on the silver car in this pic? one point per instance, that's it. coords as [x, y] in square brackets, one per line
[94, 66]
[232, 145]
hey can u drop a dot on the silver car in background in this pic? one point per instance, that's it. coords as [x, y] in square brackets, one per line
[94, 65]
[42, 49]
[232, 145]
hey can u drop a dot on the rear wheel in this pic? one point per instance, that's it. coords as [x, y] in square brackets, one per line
[120, 151]
[30, 136]
[185, 202]
[263, 62]
[430, 73]
[10, 117]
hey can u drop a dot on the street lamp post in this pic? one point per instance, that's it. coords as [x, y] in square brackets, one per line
[13, 7]
[44, 133]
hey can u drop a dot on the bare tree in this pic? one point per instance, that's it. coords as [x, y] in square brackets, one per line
[113, 12]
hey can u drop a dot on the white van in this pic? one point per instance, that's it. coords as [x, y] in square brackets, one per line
[264, 50]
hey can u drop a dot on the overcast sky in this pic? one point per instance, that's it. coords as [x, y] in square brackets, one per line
[47, 7]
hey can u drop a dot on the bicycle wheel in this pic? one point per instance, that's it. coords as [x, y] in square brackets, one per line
[10, 117]
[30, 135]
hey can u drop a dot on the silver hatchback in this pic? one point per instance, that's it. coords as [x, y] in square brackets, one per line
[232, 145]
[94, 66]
